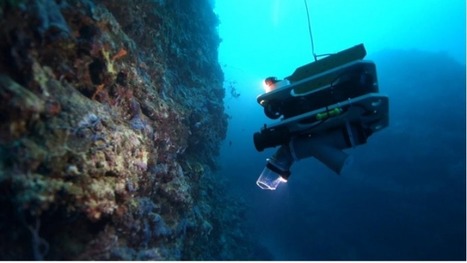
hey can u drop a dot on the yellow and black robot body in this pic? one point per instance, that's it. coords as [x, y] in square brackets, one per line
[333, 102]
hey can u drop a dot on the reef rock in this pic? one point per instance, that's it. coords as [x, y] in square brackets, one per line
[111, 116]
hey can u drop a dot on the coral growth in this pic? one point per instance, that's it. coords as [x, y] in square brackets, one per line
[111, 117]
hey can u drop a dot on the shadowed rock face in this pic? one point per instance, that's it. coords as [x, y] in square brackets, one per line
[111, 114]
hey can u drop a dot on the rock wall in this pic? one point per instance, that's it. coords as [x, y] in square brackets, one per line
[111, 115]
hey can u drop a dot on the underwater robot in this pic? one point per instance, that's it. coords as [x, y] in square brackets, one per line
[325, 106]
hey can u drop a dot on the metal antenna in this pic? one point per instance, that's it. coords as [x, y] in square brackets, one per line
[311, 34]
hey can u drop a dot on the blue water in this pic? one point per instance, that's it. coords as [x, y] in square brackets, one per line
[404, 195]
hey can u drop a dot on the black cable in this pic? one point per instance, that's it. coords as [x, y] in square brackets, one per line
[309, 30]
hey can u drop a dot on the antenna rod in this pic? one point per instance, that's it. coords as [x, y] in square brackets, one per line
[311, 34]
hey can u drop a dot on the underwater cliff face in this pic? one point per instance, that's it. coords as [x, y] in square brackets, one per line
[111, 116]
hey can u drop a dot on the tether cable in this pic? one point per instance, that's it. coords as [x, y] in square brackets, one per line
[311, 34]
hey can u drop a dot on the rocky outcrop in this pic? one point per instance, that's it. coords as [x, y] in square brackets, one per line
[111, 115]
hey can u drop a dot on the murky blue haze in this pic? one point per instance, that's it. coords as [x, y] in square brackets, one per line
[404, 195]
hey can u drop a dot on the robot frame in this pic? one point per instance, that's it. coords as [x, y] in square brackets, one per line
[326, 106]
